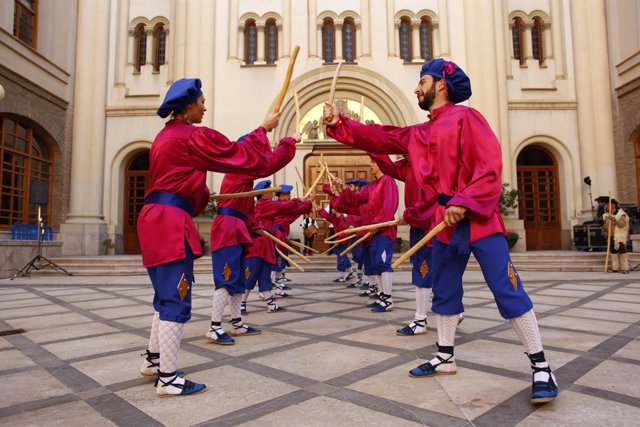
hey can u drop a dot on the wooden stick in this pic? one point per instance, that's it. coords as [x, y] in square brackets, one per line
[606, 258]
[328, 250]
[287, 80]
[362, 110]
[313, 186]
[304, 187]
[438, 228]
[284, 245]
[330, 242]
[332, 92]
[300, 245]
[366, 228]
[289, 260]
[297, 103]
[354, 244]
[245, 194]
[297, 192]
[329, 172]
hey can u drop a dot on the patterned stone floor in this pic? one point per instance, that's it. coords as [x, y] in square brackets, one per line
[327, 361]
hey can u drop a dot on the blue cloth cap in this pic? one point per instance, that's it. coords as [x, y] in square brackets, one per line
[243, 137]
[181, 93]
[285, 188]
[458, 83]
[262, 185]
[352, 181]
[361, 182]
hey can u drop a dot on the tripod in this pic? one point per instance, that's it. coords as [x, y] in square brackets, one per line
[39, 262]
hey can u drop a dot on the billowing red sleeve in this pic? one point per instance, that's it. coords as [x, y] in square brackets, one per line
[210, 150]
[479, 178]
[372, 138]
[393, 169]
[389, 206]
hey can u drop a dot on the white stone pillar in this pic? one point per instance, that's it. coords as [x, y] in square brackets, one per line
[503, 131]
[442, 39]
[392, 34]
[526, 48]
[337, 47]
[85, 231]
[365, 30]
[180, 38]
[261, 40]
[557, 19]
[285, 41]
[415, 40]
[312, 29]
[193, 52]
[122, 36]
[593, 91]
[232, 44]
[171, 58]
[481, 62]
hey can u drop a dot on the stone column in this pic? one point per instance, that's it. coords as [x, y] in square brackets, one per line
[233, 31]
[483, 67]
[442, 39]
[122, 36]
[85, 230]
[261, 40]
[392, 39]
[365, 30]
[593, 94]
[415, 40]
[312, 29]
[285, 43]
[557, 21]
[337, 45]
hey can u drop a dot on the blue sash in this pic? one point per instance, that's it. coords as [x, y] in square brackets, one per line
[460, 240]
[232, 212]
[164, 198]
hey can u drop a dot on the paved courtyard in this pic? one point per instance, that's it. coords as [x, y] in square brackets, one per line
[327, 361]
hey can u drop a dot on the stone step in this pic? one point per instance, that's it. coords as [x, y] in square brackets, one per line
[125, 265]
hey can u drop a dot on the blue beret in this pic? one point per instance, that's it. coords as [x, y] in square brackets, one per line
[352, 181]
[285, 188]
[361, 182]
[262, 185]
[243, 137]
[458, 83]
[181, 93]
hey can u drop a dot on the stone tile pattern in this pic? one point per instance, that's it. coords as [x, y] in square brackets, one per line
[326, 361]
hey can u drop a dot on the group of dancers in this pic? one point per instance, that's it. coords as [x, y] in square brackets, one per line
[451, 166]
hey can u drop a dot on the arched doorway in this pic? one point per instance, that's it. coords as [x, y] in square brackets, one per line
[343, 162]
[136, 175]
[539, 203]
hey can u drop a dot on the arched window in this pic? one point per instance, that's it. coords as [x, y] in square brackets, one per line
[405, 39]
[426, 37]
[140, 38]
[328, 40]
[516, 34]
[25, 157]
[250, 42]
[159, 46]
[271, 41]
[349, 40]
[537, 40]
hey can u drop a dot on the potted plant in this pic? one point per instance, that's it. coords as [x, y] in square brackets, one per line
[512, 238]
[508, 203]
[508, 199]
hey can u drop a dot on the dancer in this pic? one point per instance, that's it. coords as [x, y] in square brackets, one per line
[261, 255]
[618, 223]
[230, 237]
[180, 157]
[340, 223]
[457, 156]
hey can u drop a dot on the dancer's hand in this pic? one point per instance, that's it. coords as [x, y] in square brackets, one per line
[453, 215]
[330, 114]
[271, 121]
